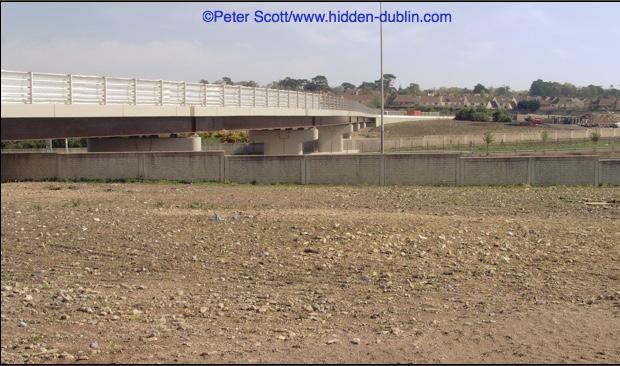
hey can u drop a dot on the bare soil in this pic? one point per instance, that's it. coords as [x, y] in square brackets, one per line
[452, 127]
[144, 273]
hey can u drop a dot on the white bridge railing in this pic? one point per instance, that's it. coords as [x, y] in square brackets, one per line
[35, 88]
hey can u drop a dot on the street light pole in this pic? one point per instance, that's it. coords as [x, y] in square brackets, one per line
[381, 66]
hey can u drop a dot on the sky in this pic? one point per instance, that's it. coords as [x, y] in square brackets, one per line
[490, 43]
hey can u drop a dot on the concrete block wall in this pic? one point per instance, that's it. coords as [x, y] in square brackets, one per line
[99, 166]
[421, 169]
[565, 170]
[609, 171]
[133, 165]
[185, 166]
[264, 169]
[494, 171]
[28, 166]
[343, 169]
[372, 169]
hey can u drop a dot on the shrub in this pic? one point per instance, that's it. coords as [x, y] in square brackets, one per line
[473, 114]
[502, 115]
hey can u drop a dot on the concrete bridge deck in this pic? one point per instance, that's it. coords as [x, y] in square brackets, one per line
[43, 106]
[55, 106]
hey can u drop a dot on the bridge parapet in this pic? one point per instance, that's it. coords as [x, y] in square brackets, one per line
[19, 87]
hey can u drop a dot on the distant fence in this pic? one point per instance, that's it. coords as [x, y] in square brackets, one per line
[390, 169]
[445, 141]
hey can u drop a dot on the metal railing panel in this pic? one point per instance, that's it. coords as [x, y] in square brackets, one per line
[29, 87]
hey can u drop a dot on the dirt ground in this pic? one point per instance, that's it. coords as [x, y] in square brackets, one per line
[145, 273]
[452, 127]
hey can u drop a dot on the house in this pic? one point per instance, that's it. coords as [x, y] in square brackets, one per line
[509, 103]
[477, 101]
[404, 100]
[366, 98]
[454, 101]
[420, 100]
[607, 104]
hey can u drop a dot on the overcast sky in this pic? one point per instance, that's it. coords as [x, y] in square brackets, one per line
[494, 44]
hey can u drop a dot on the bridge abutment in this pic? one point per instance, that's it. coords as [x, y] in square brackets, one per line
[128, 144]
[283, 142]
[330, 137]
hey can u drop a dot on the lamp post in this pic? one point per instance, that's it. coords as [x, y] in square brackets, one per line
[381, 67]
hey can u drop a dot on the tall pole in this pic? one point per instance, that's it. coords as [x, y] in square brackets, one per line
[382, 92]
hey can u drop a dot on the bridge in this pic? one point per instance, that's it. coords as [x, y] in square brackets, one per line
[163, 115]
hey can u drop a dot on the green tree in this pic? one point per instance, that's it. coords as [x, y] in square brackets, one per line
[413, 88]
[472, 114]
[251, 83]
[480, 89]
[366, 85]
[321, 82]
[289, 83]
[388, 83]
[488, 139]
[503, 91]
[502, 115]
[529, 106]
[347, 86]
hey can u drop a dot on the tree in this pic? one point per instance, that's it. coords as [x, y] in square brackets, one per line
[366, 85]
[226, 80]
[251, 83]
[347, 86]
[529, 106]
[480, 89]
[488, 139]
[595, 137]
[291, 84]
[502, 115]
[503, 91]
[204, 81]
[321, 82]
[388, 81]
[544, 136]
[413, 88]
[472, 114]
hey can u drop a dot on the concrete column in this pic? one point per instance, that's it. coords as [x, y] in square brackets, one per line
[330, 137]
[125, 144]
[283, 142]
[356, 126]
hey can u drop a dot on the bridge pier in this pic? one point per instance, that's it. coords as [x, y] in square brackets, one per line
[283, 142]
[330, 137]
[125, 144]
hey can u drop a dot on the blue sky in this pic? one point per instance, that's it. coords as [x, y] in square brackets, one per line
[491, 43]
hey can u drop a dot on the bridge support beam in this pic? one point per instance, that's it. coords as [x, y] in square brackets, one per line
[283, 142]
[126, 144]
[330, 137]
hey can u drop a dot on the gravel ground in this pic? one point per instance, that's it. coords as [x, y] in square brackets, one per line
[240, 273]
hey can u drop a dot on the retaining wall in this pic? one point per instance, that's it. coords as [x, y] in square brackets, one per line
[392, 169]
[609, 171]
